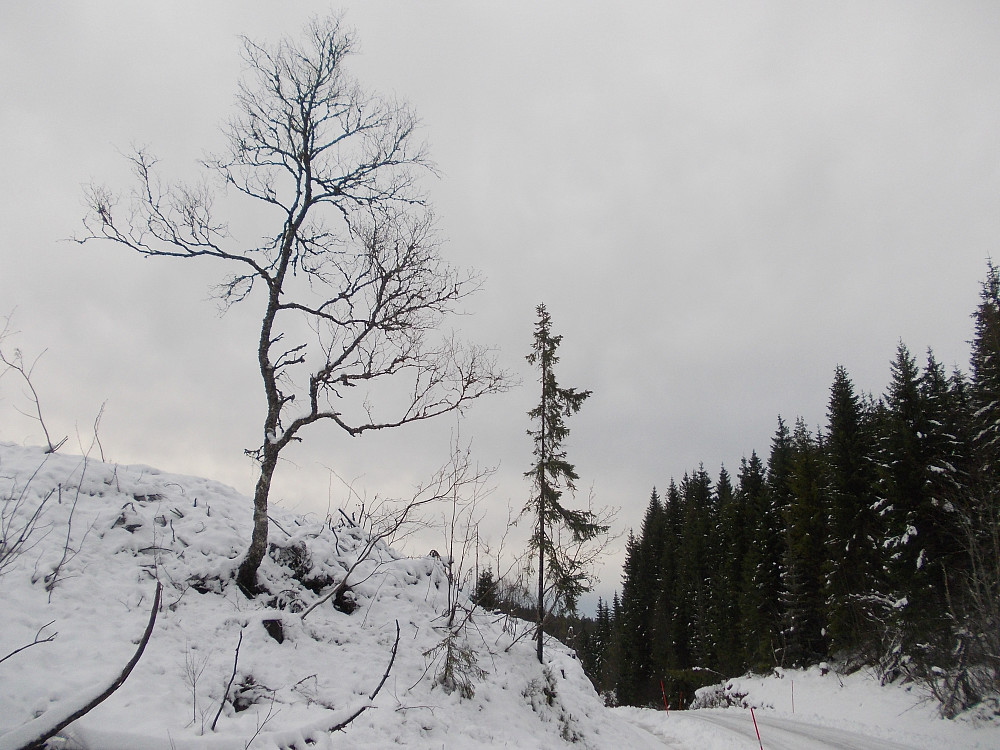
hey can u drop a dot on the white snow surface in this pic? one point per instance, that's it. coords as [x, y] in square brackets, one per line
[110, 532]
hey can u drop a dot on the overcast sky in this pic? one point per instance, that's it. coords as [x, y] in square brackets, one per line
[718, 202]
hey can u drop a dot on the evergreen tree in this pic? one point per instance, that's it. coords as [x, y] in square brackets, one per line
[947, 449]
[912, 536]
[559, 572]
[973, 671]
[879, 540]
[752, 489]
[731, 543]
[601, 645]
[611, 673]
[666, 620]
[640, 587]
[804, 555]
[985, 390]
[853, 567]
[760, 604]
[695, 558]
[485, 594]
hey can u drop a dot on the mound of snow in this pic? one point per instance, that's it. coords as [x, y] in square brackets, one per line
[102, 536]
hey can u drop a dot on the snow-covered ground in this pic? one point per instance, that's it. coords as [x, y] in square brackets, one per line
[106, 534]
[817, 708]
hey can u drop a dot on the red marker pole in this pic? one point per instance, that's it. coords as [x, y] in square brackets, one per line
[793, 696]
[665, 704]
[755, 728]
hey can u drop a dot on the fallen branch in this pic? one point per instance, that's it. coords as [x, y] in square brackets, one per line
[338, 727]
[236, 661]
[385, 676]
[33, 734]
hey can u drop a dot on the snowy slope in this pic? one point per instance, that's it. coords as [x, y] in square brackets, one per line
[129, 526]
[106, 534]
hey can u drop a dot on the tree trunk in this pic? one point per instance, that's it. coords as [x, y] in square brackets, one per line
[246, 578]
[541, 519]
[541, 579]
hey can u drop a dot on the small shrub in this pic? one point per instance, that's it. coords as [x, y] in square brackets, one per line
[719, 696]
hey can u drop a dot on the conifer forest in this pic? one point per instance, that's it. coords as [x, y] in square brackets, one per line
[871, 541]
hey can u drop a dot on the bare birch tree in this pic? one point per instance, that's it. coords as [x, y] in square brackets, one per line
[353, 253]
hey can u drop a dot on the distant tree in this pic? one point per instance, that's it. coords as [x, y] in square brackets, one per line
[559, 532]
[485, 593]
[350, 283]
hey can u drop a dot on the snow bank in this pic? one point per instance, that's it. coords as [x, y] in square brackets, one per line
[105, 534]
[855, 705]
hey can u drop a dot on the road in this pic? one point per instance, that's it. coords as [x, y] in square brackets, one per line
[785, 734]
[730, 729]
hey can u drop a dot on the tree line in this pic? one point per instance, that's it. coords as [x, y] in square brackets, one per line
[872, 541]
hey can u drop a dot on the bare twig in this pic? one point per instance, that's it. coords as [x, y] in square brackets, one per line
[53, 578]
[389, 520]
[15, 362]
[16, 535]
[35, 642]
[271, 713]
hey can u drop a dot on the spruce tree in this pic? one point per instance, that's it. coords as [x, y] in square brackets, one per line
[695, 565]
[947, 450]
[853, 568]
[485, 594]
[752, 488]
[666, 625]
[978, 613]
[803, 563]
[644, 633]
[761, 600]
[985, 389]
[913, 535]
[632, 620]
[731, 542]
[561, 576]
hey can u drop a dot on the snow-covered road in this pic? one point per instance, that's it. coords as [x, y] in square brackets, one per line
[785, 734]
[732, 729]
